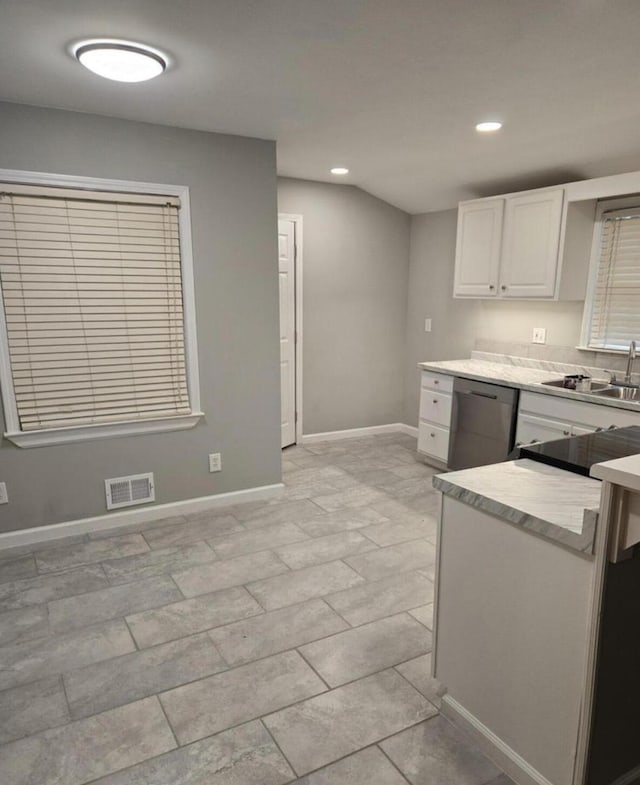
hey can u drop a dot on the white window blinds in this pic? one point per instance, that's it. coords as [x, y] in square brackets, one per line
[615, 306]
[92, 296]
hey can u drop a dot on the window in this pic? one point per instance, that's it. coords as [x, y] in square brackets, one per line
[96, 329]
[612, 308]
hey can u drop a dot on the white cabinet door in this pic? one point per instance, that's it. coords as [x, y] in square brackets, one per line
[531, 242]
[478, 245]
[540, 429]
[433, 440]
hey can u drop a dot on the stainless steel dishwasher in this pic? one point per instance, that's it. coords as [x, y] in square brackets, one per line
[483, 423]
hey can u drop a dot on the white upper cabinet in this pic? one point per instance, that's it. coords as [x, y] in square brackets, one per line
[509, 246]
[478, 245]
[530, 244]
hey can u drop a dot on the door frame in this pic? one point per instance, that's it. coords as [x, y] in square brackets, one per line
[296, 220]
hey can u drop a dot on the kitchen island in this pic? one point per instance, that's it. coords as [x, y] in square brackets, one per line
[528, 602]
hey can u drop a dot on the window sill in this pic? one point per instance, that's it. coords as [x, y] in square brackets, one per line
[85, 433]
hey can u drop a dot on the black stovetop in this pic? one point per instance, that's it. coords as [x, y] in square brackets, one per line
[579, 453]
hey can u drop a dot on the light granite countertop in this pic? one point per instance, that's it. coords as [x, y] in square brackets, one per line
[509, 373]
[620, 471]
[552, 503]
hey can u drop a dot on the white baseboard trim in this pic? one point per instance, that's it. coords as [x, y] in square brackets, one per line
[351, 433]
[494, 747]
[117, 520]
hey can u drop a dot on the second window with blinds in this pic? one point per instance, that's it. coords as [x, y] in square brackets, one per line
[612, 307]
[97, 326]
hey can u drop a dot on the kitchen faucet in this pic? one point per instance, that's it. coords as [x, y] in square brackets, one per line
[630, 358]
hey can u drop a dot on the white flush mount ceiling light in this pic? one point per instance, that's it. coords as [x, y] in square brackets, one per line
[339, 170]
[123, 61]
[488, 127]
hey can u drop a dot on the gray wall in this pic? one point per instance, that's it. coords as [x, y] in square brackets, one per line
[232, 183]
[356, 251]
[433, 239]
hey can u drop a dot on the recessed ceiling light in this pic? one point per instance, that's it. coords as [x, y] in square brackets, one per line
[123, 61]
[488, 127]
[339, 170]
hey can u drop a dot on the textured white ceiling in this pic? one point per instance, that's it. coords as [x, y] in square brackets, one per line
[389, 88]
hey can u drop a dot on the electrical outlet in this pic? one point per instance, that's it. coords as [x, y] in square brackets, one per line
[539, 335]
[427, 325]
[4, 497]
[215, 462]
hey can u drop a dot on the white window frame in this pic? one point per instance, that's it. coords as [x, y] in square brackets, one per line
[79, 433]
[604, 206]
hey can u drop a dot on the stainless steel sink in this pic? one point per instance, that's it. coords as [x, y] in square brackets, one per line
[621, 393]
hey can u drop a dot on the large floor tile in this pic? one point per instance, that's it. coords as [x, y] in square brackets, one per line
[276, 512]
[32, 708]
[368, 767]
[259, 539]
[73, 613]
[424, 614]
[23, 624]
[191, 616]
[341, 520]
[382, 598]
[245, 755]
[298, 492]
[231, 572]
[82, 751]
[435, 751]
[393, 532]
[65, 557]
[114, 682]
[44, 588]
[393, 559]
[14, 569]
[358, 652]
[351, 497]
[324, 549]
[420, 470]
[194, 529]
[276, 631]
[418, 672]
[299, 585]
[329, 726]
[157, 562]
[25, 662]
[219, 702]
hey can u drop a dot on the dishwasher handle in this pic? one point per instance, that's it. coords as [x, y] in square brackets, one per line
[482, 394]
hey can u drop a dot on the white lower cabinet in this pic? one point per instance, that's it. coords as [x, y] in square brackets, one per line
[543, 418]
[435, 416]
[540, 429]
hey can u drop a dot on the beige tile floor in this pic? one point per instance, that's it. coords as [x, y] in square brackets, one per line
[263, 644]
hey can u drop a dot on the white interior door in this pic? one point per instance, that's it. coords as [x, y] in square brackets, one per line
[287, 271]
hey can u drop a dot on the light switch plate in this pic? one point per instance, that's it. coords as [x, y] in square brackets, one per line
[539, 335]
[427, 325]
[4, 497]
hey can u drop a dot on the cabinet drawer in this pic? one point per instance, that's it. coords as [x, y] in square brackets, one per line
[539, 429]
[435, 407]
[433, 440]
[589, 415]
[437, 381]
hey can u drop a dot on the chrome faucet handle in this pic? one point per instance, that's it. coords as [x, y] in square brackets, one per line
[612, 376]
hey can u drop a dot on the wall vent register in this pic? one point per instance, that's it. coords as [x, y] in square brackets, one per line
[127, 491]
